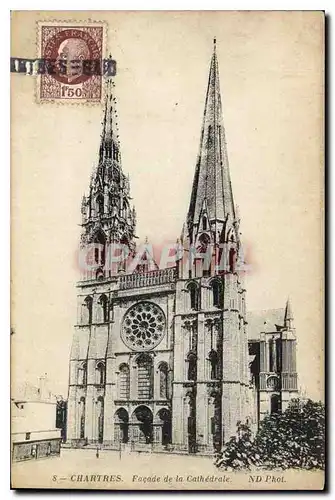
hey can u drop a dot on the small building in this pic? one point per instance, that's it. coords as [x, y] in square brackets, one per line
[272, 359]
[34, 433]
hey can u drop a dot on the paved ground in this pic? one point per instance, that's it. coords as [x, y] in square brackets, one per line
[81, 469]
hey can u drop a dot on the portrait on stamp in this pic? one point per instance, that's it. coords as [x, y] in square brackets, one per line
[68, 49]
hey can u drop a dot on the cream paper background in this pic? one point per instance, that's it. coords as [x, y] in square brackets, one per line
[272, 75]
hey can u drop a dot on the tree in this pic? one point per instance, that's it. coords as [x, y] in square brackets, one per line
[61, 416]
[292, 439]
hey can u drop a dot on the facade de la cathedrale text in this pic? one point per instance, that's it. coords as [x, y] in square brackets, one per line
[169, 359]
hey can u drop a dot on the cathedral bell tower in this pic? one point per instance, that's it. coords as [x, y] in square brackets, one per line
[108, 219]
[212, 225]
[107, 215]
[211, 387]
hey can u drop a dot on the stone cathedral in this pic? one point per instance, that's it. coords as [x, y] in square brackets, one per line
[169, 359]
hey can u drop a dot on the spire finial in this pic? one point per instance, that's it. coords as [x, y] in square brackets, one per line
[214, 43]
[288, 318]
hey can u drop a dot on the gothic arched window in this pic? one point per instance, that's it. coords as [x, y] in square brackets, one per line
[82, 409]
[100, 418]
[87, 310]
[124, 382]
[204, 223]
[100, 373]
[214, 365]
[216, 293]
[163, 380]
[192, 366]
[100, 248]
[204, 241]
[82, 374]
[100, 204]
[144, 377]
[103, 302]
[193, 291]
[202, 248]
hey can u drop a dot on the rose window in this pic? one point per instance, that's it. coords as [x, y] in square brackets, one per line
[143, 326]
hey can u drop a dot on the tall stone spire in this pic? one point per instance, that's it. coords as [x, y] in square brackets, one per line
[212, 196]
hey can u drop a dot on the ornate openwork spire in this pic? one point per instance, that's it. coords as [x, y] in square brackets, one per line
[108, 216]
[110, 144]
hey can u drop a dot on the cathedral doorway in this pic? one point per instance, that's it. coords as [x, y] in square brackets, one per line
[275, 404]
[143, 418]
[121, 425]
[165, 417]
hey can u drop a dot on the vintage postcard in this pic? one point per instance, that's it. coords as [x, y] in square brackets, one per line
[167, 218]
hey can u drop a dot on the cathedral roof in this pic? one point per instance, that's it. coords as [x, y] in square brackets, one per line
[265, 320]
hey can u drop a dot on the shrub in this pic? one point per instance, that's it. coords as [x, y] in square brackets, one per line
[292, 439]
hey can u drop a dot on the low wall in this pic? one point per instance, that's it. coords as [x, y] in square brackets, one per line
[33, 450]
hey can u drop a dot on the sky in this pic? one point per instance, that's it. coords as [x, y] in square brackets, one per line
[271, 74]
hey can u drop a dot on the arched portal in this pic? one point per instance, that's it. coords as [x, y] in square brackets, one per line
[142, 418]
[121, 425]
[275, 403]
[164, 416]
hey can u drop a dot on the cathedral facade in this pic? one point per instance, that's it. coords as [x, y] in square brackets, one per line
[163, 357]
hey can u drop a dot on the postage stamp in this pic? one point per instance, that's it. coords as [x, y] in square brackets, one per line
[68, 48]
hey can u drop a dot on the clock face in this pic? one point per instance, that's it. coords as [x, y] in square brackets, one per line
[143, 326]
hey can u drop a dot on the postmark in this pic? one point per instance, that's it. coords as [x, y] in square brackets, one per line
[68, 49]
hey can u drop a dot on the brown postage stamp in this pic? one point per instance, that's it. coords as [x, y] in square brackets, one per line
[67, 48]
